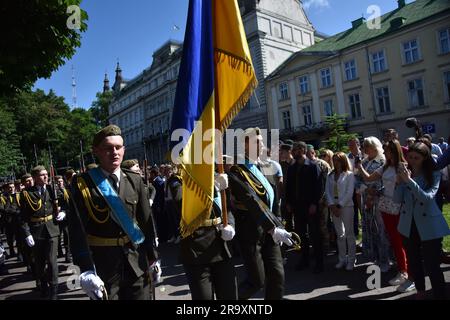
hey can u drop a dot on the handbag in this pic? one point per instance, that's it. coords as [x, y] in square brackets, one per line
[387, 205]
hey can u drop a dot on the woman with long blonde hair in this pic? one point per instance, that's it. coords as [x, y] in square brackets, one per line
[339, 194]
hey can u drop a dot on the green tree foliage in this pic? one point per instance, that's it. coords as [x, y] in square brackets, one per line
[39, 37]
[9, 142]
[40, 119]
[338, 136]
[99, 107]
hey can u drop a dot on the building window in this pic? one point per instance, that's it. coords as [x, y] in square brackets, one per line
[350, 70]
[283, 88]
[444, 40]
[411, 51]
[325, 75]
[304, 85]
[447, 85]
[378, 62]
[287, 119]
[328, 107]
[307, 115]
[355, 105]
[415, 93]
[384, 104]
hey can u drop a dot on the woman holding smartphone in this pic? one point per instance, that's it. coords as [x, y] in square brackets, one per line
[421, 222]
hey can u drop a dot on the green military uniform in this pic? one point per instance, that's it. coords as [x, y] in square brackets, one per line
[206, 258]
[38, 220]
[12, 222]
[64, 202]
[262, 256]
[98, 243]
[2, 215]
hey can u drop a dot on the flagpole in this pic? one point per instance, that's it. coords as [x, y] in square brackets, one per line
[220, 169]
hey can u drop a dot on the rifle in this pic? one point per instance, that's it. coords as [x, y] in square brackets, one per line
[152, 285]
[54, 194]
[83, 168]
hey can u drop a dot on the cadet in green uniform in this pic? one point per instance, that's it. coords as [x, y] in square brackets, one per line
[258, 231]
[40, 226]
[206, 254]
[110, 225]
[12, 219]
[63, 201]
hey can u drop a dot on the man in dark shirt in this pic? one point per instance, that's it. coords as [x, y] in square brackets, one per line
[303, 192]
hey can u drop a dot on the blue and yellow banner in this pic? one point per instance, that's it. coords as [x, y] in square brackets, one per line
[216, 75]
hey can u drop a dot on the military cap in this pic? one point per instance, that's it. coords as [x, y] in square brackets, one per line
[309, 146]
[36, 170]
[69, 173]
[286, 147]
[25, 177]
[289, 141]
[111, 130]
[91, 166]
[299, 145]
[127, 164]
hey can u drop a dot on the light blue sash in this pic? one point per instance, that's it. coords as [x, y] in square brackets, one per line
[258, 174]
[119, 212]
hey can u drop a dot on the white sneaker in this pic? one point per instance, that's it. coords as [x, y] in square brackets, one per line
[399, 279]
[340, 264]
[406, 286]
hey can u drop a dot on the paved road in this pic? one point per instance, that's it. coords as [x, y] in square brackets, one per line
[17, 284]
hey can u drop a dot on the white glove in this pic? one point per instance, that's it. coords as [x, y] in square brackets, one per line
[156, 271]
[151, 202]
[221, 181]
[281, 236]
[227, 233]
[61, 216]
[30, 241]
[92, 285]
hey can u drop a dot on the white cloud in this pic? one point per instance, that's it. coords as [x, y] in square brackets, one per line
[319, 4]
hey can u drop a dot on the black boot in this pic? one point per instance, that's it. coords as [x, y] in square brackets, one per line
[44, 289]
[54, 293]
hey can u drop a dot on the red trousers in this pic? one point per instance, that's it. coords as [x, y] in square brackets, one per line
[390, 224]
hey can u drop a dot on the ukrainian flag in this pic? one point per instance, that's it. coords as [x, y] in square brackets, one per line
[216, 80]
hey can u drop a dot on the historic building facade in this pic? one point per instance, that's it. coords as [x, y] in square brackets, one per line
[275, 30]
[376, 77]
[143, 106]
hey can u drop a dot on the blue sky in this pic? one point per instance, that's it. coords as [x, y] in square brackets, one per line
[132, 30]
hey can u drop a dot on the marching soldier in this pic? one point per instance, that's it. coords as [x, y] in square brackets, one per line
[133, 165]
[12, 218]
[2, 213]
[63, 201]
[258, 231]
[40, 226]
[172, 205]
[110, 225]
[206, 254]
[27, 252]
